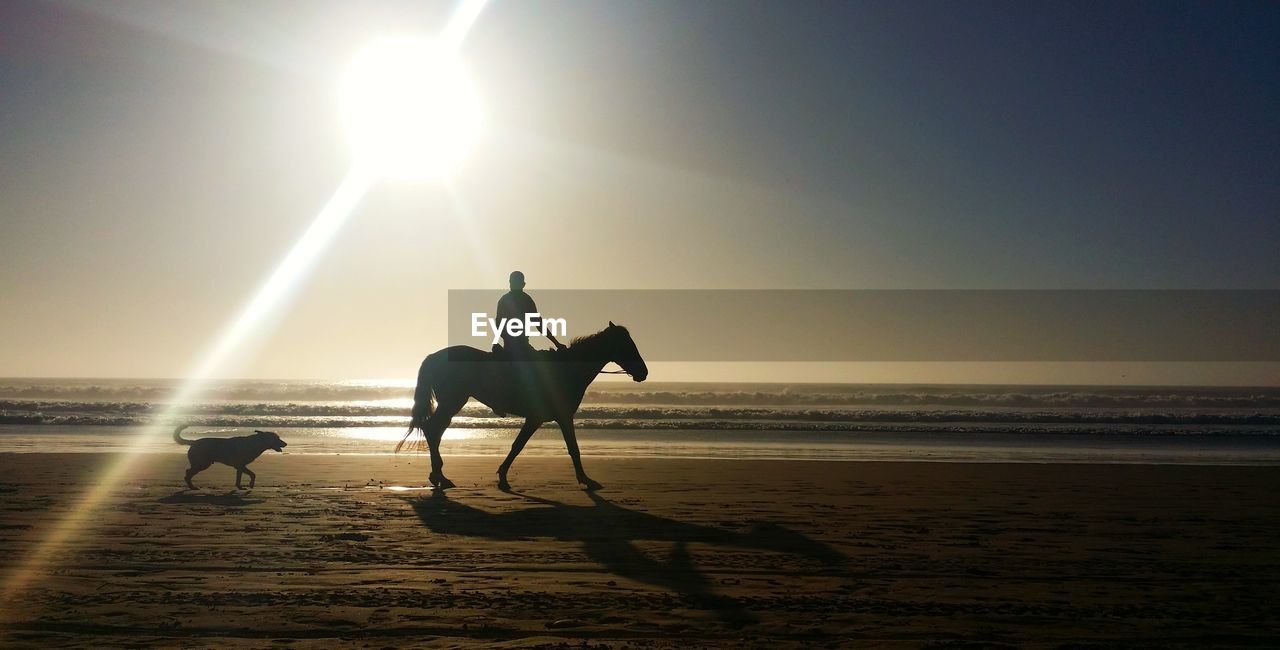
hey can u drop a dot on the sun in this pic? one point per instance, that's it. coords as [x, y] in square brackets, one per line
[409, 109]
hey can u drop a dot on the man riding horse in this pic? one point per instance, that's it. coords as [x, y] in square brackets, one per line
[546, 387]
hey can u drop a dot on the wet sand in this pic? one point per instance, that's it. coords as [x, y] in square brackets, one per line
[673, 553]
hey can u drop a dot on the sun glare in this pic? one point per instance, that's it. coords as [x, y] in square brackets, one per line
[410, 112]
[409, 109]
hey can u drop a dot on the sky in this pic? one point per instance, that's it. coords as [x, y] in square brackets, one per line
[159, 158]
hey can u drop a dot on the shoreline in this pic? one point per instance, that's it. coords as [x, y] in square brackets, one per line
[995, 447]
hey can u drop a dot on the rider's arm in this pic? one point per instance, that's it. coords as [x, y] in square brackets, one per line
[533, 307]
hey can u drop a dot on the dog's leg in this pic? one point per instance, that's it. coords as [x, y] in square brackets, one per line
[195, 469]
[253, 478]
[239, 473]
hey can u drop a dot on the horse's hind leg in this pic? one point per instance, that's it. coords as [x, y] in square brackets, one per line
[433, 430]
[526, 432]
[571, 441]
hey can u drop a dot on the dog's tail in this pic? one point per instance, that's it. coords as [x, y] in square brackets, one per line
[177, 436]
[423, 400]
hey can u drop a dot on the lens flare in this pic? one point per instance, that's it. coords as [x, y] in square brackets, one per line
[286, 276]
[383, 150]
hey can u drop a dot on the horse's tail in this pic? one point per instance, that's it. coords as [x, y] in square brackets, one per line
[423, 401]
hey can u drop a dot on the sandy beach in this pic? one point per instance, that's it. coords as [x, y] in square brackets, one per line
[672, 553]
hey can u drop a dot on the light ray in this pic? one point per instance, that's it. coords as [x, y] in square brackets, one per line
[460, 23]
[285, 277]
[268, 299]
[308, 247]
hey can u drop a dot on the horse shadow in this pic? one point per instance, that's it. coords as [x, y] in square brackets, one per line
[228, 500]
[608, 533]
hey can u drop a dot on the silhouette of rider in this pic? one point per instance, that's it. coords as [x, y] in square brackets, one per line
[514, 305]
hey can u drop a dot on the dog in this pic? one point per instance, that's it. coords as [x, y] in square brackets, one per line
[235, 452]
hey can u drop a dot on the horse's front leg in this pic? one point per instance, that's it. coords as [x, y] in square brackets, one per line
[526, 432]
[571, 441]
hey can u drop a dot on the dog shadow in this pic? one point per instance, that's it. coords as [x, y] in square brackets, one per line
[608, 533]
[227, 500]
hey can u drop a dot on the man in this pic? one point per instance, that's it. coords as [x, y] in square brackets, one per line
[514, 305]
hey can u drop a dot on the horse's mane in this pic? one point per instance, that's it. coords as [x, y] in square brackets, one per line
[591, 342]
[589, 339]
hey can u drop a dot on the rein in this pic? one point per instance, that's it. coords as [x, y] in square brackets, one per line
[609, 372]
[613, 372]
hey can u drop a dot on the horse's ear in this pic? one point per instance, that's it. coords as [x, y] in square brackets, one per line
[611, 324]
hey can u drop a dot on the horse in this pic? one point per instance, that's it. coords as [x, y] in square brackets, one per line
[546, 387]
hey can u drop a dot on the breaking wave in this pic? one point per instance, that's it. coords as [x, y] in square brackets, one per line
[795, 407]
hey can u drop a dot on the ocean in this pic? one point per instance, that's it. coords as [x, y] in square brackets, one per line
[969, 423]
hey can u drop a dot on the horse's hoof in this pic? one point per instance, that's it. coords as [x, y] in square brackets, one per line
[439, 482]
[590, 484]
[504, 485]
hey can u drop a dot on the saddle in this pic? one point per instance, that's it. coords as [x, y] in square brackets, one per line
[503, 355]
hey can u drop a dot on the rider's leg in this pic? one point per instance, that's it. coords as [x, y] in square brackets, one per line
[526, 432]
[571, 441]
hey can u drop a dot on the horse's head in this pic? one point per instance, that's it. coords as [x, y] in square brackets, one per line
[625, 353]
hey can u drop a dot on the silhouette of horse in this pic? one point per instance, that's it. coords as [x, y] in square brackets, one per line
[546, 387]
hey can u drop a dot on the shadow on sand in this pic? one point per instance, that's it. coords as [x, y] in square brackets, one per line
[608, 531]
[229, 499]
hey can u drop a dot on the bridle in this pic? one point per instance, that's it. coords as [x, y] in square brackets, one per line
[614, 372]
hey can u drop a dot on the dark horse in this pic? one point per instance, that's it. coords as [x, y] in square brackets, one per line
[548, 387]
